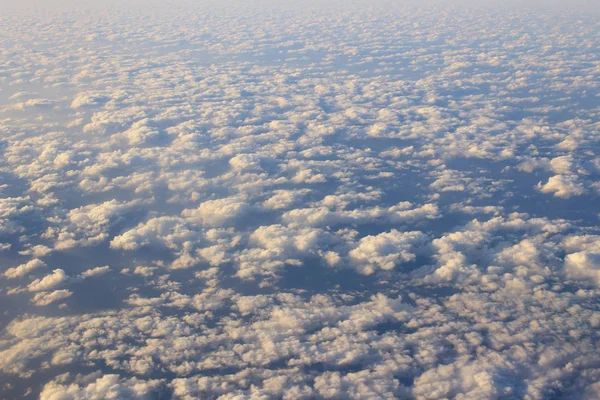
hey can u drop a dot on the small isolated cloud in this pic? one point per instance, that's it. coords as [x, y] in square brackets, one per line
[563, 186]
[95, 271]
[24, 269]
[45, 298]
[56, 278]
[268, 189]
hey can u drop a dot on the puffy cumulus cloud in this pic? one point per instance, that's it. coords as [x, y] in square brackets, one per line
[583, 265]
[45, 298]
[95, 271]
[141, 133]
[88, 225]
[476, 252]
[559, 165]
[564, 186]
[484, 359]
[309, 176]
[529, 256]
[530, 164]
[211, 298]
[562, 164]
[38, 250]
[364, 384]
[281, 238]
[278, 333]
[284, 383]
[12, 212]
[502, 362]
[322, 216]
[450, 181]
[575, 243]
[282, 199]
[56, 278]
[384, 251]
[450, 255]
[218, 213]
[342, 201]
[242, 162]
[24, 269]
[249, 304]
[171, 232]
[144, 270]
[109, 386]
[479, 379]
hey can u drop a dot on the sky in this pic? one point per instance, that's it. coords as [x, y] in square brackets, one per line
[381, 200]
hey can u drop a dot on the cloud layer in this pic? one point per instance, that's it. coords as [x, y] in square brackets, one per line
[374, 203]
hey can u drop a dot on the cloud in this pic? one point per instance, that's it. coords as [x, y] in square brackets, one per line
[95, 271]
[323, 216]
[45, 298]
[105, 387]
[12, 210]
[24, 269]
[88, 225]
[384, 251]
[56, 278]
[563, 186]
[478, 379]
[282, 199]
[218, 213]
[166, 231]
[275, 246]
[88, 100]
[583, 265]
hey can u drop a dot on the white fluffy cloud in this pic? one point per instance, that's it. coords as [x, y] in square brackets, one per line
[564, 186]
[88, 225]
[109, 386]
[24, 269]
[45, 298]
[284, 198]
[384, 251]
[218, 213]
[56, 278]
[583, 265]
[95, 271]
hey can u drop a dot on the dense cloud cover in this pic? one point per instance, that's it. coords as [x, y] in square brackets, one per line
[368, 202]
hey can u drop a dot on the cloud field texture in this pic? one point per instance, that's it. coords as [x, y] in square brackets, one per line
[367, 201]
